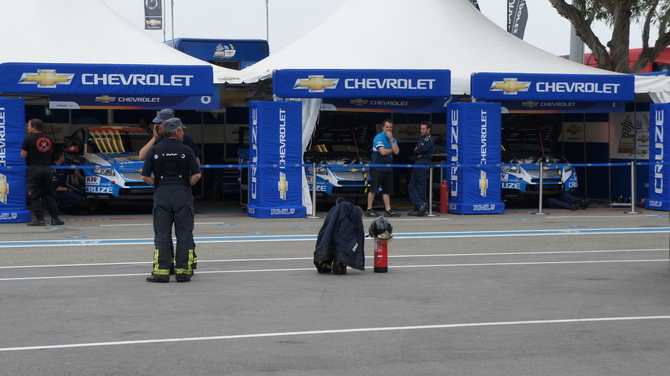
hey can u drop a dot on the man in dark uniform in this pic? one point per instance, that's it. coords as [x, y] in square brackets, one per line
[175, 169]
[37, 149]
[158, 136]
[423, 156]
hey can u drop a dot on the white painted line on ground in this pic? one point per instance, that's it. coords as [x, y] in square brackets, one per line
[199, 272]
[369, 256]
[338, 331]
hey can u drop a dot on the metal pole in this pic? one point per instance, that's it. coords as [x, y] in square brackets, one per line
[632, 189]
[172, 17]
[267, 22]
[541, 198]
[313, 192]
[430, 193]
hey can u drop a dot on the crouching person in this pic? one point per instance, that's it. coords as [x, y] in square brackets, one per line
[172, 168]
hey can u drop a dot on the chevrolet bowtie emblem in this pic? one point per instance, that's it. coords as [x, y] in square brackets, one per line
[529, 104]
[316, 84]
[153, 22]
[46, 78]
[510, 86]
[358, 102]
[573, 129]
[4, 189]
[282, 186]
[483, 183]
[105, 99]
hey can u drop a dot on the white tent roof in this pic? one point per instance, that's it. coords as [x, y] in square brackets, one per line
[80, 31]
[417, 34]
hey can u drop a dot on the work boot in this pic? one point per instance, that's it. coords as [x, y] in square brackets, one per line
[56, 222]
[182, 277]
[37, 222]
[574, 207]
[159, 278]
[585, 203]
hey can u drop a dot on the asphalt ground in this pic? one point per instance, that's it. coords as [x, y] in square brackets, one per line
[569, 293]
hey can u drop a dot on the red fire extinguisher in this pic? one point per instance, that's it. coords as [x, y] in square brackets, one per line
[444, 197]
[381, 256]
[403, 184]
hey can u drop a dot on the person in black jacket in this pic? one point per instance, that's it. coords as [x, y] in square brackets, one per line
[423, 156]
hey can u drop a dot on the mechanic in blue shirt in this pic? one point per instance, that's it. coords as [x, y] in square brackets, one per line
[172, 168]
[423, 156]
[384, 146]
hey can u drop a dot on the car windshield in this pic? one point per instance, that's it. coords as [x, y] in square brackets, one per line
[115, 141]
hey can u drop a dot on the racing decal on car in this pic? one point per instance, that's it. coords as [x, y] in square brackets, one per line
[92, 180]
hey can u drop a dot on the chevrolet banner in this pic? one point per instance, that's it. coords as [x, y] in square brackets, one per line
[364, 83]
[153, 15]
[659, 170]
[275, 158]
[137, 102]
[553, 87]
[12, 166]
[110, 79]
[473, 153]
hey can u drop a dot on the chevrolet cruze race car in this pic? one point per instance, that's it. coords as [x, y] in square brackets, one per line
[528, 139]
[111, 154]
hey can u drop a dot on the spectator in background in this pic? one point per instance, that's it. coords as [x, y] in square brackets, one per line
[67, 183]
[144, 124]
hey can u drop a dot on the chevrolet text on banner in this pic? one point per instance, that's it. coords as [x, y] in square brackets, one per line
[553, 87]
[659, 171]
[12, 166]
[363, 83]
[473, 153]
[153, 15]
[111, 79]
[275, 158]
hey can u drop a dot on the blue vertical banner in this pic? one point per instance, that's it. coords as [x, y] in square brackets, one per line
[275, 158]
[659, 171]
[473, 151]
[12, 166]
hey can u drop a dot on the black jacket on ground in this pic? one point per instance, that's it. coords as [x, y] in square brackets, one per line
[342, 237]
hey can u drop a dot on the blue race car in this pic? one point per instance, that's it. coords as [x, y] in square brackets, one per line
[112, 166]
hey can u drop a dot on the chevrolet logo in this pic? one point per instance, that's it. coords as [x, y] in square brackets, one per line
[105, 99]
[643, 138]
[316, 84]
[4, 189]
[282, 186]
[510, 86]
[573, 129]
[358, 101]
[153, 22]
[46, 78]
[529, 104]
[483, 183]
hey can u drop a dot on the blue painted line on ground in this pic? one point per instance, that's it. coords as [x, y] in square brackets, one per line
[264, 238]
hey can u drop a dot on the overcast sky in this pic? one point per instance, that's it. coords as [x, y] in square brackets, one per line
[290, 19]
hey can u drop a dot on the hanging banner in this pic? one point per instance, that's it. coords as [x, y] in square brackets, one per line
[473, 150]
[275, 156]
[136, 102]
[111, 79]
[12, 166]
[153, 15]
[553, 87]
[659, 171]
[363, 83]
[517, 16]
